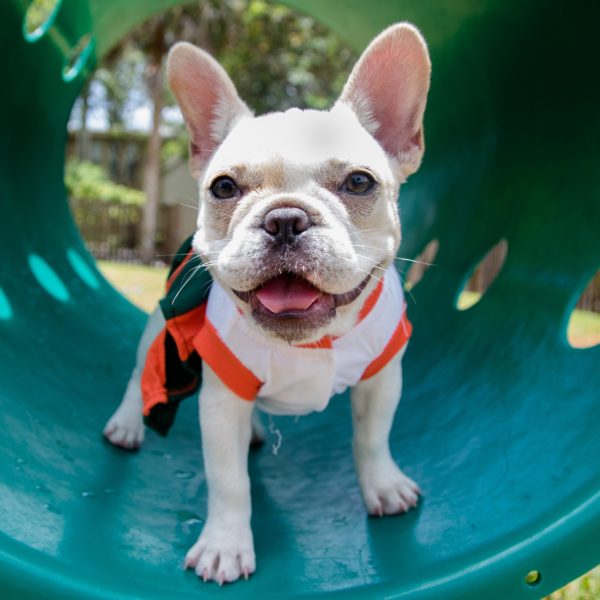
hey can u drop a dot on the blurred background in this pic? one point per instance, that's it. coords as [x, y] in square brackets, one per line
[126, 173]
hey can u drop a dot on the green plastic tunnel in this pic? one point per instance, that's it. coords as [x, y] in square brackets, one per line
[499, 422]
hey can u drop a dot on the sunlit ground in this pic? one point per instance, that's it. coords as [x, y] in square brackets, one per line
[144, 286]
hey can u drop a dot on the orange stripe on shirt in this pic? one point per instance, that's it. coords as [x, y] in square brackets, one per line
[230, 370]
[371, 301]
[397, 341]
[184, 329]
[324, 342]
[368, 306]
[154, 375]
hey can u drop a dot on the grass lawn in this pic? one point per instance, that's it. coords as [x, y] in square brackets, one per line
[144, 287]
[584, 330]
[584, 588]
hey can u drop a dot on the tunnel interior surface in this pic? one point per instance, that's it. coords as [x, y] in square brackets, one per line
[499, 417]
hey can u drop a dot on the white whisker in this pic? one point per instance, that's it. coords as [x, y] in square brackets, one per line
[419, 262]
[187, 280]
[188, 205]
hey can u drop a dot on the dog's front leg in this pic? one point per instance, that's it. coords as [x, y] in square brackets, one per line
[125, 428]
[225, 549]
[386, 490]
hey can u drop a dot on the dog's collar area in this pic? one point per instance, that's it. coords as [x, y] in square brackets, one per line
[343, 299]
[367, 307]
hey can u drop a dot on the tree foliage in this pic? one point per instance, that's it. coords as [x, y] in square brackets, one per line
[37, 14]
[280, 59]
[277, 58]
[121, 81]
[90, 181]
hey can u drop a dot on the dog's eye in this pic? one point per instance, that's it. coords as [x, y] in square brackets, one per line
[224, 187]
[358, 182]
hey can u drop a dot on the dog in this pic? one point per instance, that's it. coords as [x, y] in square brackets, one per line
[298, 228]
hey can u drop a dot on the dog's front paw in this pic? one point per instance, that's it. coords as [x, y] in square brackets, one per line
[386, 489]
[125, 428]
[223, 553]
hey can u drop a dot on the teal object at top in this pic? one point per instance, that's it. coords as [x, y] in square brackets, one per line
[500, 419]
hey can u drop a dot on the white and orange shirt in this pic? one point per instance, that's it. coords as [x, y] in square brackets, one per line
[283, 378]
[288, 379]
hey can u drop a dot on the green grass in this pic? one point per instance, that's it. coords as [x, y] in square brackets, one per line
[467, 299]
[144, 286]
[584, 330]
[584, 588]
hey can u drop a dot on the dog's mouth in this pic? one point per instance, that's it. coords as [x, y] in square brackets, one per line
[289, 296]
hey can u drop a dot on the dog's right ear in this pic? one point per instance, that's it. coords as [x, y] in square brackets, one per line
[207, 98]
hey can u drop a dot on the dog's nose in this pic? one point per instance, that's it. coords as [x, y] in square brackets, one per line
[286, 224]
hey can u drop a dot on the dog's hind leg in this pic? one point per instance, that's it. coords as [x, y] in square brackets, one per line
[125, 428]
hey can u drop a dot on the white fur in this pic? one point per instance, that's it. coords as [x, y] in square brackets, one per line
[290, 155]
[126, 427]
[225, 550]
[385, 488]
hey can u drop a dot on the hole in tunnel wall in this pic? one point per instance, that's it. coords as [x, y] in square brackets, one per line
[533, 578]
[82, 269]
[47, 277]
[482, 276]
[421, 264]
[583, 329]
[5, 307]
[39, 17]
[77, 57]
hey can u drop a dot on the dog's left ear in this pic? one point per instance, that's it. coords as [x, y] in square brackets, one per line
[387, 90]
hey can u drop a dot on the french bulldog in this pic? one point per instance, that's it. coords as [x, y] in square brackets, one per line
[299, 228]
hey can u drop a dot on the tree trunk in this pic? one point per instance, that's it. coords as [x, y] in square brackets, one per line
[83, 135]
[152, 171]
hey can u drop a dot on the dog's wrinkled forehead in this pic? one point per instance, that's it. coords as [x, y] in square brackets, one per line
[300, 139]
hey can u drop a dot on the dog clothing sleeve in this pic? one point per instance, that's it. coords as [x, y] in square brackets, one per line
[173, 369]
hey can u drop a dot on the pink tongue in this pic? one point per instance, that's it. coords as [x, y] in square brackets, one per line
[285, 294]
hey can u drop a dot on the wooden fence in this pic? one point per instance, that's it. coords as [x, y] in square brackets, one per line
[590, 299]
[112, 231]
